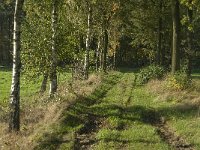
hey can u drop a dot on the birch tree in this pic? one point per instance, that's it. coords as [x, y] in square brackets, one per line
[14, 123]
[53, 71]
[86, 63]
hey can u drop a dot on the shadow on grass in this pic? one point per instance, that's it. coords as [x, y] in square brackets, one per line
[180, 111]
[196, 77]
[125, 141]
[75, 117]
[5, 68]
[196, 74]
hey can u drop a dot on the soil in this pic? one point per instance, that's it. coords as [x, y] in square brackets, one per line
[170, 137]
[85, 137]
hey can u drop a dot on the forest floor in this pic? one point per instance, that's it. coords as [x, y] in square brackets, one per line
[112, 112]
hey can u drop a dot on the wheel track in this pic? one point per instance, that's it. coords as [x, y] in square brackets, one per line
[166, 133]
[85, 137]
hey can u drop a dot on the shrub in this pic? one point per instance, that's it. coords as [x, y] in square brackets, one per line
[149, 73]
[178, 81]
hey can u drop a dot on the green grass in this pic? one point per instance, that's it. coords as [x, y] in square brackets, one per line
[126, 108]
[74, 118]
[125, 111]
[28, 89]
[182, 116]
[123, 119]
[5, 82]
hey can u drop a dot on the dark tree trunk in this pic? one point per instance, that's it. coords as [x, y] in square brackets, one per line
[176, 36]
[14, 122]
[160, 24]
[190, 42]
[44, 83]
[98, 54]
[105, 51]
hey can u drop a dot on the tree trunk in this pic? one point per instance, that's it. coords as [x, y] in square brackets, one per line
[14, 122]
[190, 42]
[159, 52]
[98, 54]
[114, 60]
[105, 50]
[44, 83]
[86, 62]
[53, 72]
[176, 36]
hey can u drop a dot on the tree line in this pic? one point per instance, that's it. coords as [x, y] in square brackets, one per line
[47, 36]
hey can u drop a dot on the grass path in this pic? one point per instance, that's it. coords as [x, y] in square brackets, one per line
[76, 119]
[133, 125]
[118, 115]
[109, 118]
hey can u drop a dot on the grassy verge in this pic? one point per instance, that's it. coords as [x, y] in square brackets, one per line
[180, 108]
[34, 108]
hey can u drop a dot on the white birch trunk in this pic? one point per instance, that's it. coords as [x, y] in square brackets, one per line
[98, 54]
[14, 122]
[53, 72]
[86, 62]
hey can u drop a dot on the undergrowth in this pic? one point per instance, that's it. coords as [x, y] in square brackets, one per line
[148, 73]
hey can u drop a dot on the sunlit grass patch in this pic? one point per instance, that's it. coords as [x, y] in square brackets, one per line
[5, 84]
[137, 136]
[29, 88]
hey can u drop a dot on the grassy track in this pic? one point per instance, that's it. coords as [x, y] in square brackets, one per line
[108, 119]
[119, 115]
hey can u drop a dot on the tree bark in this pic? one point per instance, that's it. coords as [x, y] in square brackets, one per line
[14, 122]
[160, 24]
[98, 54]
[105, 50]
[44, 83]
[190, 41]
[86, 62]
[176, 36]
[53, 72]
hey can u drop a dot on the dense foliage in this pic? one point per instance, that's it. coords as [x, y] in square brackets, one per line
[149, 73]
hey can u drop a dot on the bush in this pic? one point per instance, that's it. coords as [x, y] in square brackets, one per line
[149, 73]
[178, 81]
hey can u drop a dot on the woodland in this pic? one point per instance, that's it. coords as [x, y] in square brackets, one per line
[99, 74]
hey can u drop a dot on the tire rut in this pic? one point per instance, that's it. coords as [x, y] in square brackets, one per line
[85, 137]
[171, 138]
[168, 135]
